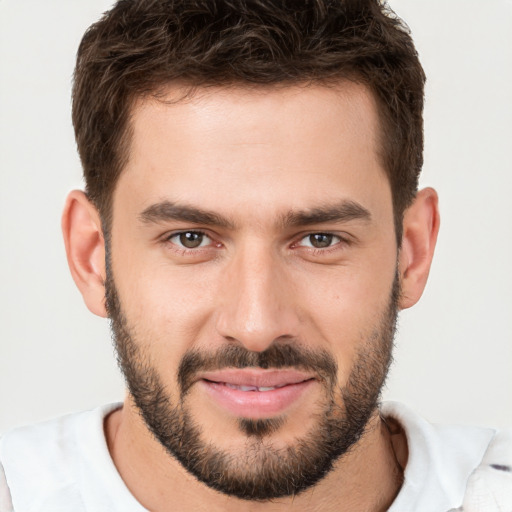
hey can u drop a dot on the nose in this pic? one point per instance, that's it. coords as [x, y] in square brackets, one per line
[256, 300]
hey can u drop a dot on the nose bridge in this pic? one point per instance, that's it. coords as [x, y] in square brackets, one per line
[256, 308]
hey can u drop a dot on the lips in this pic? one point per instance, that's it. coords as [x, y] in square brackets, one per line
[255, 393]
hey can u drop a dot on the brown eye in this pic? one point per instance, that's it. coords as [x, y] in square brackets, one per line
[190, 239]
[320, 240]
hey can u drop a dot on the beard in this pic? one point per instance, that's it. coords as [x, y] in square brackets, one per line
[260, 471]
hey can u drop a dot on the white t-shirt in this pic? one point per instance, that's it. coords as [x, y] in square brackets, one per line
[64, 465]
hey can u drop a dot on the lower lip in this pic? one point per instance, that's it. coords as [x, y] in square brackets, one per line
[256, 404]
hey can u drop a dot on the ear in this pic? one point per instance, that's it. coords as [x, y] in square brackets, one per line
[420, 228]
[85, 249]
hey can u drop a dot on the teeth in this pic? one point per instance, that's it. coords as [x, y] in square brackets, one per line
[250, 388]
[247, 388]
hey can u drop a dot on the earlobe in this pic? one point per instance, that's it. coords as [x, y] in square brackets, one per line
[420, 229]
[85, 249]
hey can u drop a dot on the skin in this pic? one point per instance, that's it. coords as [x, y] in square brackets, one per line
[253, 156]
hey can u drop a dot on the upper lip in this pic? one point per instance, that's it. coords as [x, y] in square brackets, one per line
[257, 377]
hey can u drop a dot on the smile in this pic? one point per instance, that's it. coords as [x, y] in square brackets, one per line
[255, 393]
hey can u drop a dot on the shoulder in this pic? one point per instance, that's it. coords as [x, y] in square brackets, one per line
[455, 446]
[442, 458]
[43, 460]
[489, 486]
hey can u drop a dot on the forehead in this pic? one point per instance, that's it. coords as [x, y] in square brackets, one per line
[280, 147]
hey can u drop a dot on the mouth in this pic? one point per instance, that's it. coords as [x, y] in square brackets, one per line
[254, 393]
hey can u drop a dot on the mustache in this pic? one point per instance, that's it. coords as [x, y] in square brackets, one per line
[277, 356]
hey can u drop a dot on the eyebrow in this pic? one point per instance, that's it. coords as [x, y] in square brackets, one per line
[344, 211]
[167, 210]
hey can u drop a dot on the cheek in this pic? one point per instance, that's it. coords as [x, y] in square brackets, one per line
[346, 307]
[167, 307]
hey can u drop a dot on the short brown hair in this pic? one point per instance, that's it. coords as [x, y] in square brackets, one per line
[141, 45]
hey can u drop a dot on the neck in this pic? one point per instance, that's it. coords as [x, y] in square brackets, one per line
[161, 484]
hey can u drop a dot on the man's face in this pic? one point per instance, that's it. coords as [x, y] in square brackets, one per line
[252, 283]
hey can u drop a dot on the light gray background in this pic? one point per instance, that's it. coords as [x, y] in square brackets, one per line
[454, 353]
